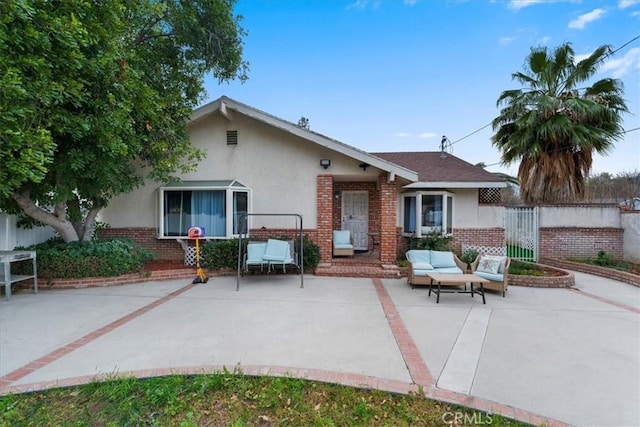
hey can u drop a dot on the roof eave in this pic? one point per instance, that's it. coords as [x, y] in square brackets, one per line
[457, 184]
[225, 104]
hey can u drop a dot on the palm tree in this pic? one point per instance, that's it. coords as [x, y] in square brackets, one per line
[553, 126]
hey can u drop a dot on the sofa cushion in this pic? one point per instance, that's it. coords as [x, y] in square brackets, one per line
[419, 255]
[421, 266]
[422, 273]
[255, 252]
[341, 237]
[488, 264]
[447, 270]
[489, 276]
[276, 250]
[442, 259]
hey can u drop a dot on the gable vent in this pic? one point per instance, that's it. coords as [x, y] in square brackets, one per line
[232, 137]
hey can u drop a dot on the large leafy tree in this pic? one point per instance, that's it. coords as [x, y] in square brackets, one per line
[95, 97]
[554, 123]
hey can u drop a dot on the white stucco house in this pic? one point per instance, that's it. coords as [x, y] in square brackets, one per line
[259, 163]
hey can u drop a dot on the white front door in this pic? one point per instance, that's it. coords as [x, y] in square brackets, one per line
[355, 217]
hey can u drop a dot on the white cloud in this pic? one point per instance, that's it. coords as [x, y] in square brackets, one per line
[544, 40]
[363, 4]
[628, 64]
[358, 4]
[623, 4]
[402, 135]
[427, 135]
[582, 20]
[506, 40]
[521, 4]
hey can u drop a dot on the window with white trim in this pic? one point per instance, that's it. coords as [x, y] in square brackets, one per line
[426, 212]
[215, 206]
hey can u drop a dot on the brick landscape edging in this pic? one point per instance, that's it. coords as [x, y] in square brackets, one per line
[124, 279]
[609, 273]
[565, 281]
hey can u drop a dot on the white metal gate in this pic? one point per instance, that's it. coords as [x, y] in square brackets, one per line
[522, 233]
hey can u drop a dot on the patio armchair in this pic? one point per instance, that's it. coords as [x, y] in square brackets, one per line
[342, 243]
[495, 269]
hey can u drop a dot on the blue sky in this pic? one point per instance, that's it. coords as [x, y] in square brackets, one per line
[394, 75]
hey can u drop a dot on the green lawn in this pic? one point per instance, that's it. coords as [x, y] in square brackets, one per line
[228, 399]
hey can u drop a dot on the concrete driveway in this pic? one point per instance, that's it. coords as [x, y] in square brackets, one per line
[559, 356]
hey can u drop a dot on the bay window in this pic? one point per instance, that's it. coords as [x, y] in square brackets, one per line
[427, 212]
[215, 206]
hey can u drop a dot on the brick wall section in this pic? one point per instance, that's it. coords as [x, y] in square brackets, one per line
[374, 203]
[388, 209]
[476, 236]
[576, 242]
[260, 234]
[168, 249]
[461, 236]
[325, 216]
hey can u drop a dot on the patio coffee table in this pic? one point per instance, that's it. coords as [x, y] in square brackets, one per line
[456, 280]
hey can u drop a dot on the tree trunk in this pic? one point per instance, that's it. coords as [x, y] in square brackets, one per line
[57, 220]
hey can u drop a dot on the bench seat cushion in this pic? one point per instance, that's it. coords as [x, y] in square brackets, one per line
[421, 266]
[342, 246]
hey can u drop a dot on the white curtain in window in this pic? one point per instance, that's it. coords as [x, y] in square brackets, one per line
[208, 211]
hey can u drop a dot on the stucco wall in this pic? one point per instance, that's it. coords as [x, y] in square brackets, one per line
[600, 216]
[631, 225]
[279, 168]
[469, 214]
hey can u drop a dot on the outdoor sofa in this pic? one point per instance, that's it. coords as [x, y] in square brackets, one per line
[425, 261]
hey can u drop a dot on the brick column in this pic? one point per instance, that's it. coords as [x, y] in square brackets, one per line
[388, 212]
[324, 194]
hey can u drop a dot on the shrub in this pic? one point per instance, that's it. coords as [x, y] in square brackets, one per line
[311, 253]
[219, 254]
[113, 257]
[523, 268]
[469, 256]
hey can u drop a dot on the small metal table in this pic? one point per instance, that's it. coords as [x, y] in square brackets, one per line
[456, 280]
[6, 278]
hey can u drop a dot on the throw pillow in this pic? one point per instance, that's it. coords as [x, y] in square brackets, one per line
[488, 265]
[501, 259]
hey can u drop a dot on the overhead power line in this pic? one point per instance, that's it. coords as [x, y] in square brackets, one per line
[607, 55]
